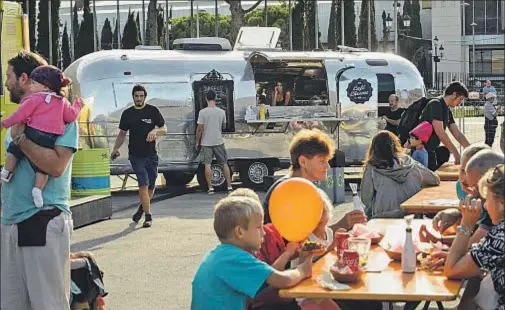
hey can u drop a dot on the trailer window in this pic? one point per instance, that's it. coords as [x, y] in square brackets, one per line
[386, 87]
[296, 83]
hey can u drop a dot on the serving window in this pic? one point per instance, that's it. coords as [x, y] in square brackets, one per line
[291, 83]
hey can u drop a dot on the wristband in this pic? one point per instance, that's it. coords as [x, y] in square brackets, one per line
[461, 230]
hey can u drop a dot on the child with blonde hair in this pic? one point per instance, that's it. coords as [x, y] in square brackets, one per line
[229, 273]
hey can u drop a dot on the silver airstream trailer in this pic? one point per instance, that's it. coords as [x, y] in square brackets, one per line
[340, 92]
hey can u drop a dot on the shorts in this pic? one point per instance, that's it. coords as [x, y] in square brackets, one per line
[219, 151]
[44, 139]
[146, 169]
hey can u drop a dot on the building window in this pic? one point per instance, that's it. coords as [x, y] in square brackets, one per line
[487, 14]
[426, 4]
[488, 62]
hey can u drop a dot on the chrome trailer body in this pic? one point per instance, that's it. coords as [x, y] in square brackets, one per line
[105, 80]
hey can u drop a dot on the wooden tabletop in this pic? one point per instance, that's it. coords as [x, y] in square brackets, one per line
[448, 172]
[424, 201]
[389, 285]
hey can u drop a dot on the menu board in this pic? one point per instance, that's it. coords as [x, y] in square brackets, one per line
[224, 99]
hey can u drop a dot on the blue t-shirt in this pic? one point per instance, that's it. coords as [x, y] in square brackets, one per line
[459, 191]
[226, 275]
[17, 200]
[421, 155]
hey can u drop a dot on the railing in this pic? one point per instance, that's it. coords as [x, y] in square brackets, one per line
[474, 83]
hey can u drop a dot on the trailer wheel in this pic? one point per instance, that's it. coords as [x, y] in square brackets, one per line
[178, 178]
[218, 179]
[253, 174]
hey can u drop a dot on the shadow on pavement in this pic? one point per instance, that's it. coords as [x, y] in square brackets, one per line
[92, 243]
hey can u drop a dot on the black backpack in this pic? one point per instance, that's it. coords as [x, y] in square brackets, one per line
[410, 118]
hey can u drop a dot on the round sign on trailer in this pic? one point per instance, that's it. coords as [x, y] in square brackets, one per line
[359, 91]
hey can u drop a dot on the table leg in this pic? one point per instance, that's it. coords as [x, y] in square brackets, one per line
[390, 305]
[411, 305]
[440, 305]
[124, 182]
[427, 305]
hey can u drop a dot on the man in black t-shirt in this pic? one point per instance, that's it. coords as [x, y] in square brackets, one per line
[145, 123]
[438, 114]
[393, 115]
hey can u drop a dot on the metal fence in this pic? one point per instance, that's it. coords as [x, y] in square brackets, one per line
[473, 82]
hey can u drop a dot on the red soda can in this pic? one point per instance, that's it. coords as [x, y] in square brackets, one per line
[351, 259]
[341, 242]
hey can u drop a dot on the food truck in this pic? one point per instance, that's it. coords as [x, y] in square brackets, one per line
[339, 92]
[13, 38]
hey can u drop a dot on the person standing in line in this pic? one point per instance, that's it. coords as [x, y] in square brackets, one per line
[145, 123]
[490, 120]
[392, 117]
[437, 112]
[35, 242]
[211, 121]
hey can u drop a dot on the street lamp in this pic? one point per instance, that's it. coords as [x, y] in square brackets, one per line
[405, 19]
[438, 54]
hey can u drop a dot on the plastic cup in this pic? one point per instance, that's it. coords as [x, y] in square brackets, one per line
[362, 246]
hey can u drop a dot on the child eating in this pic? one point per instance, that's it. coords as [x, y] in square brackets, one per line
[229, 273]
[45, 113]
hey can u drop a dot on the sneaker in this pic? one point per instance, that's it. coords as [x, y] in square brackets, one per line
[148, 221]
[210, 191]
[230, 189]
[136, 217]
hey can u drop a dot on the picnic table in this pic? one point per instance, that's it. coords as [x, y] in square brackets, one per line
[388, 285]
[432, 199]
[448, 172]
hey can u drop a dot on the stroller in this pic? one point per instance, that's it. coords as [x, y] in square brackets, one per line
[88, 290]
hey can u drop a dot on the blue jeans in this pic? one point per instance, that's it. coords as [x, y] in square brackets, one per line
[41, 138]
[146, 169]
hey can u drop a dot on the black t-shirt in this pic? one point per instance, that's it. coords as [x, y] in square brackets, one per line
[139, 122]
[436, 109]
[393, 115]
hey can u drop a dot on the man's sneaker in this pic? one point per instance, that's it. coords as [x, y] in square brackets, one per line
[148, 222]
[210, 191]
[230, 189]
[136, 217]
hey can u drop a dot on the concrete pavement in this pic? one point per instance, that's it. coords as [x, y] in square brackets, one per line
[152, 269]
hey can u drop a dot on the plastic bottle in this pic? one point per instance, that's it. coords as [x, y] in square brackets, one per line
[249, 113]
[262, 111]
[267, 114]
[409, 252]
[358, 204]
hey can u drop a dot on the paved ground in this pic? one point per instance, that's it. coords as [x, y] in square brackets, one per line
[153, 268]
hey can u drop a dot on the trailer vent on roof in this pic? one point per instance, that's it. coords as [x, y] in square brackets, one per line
[202, 44]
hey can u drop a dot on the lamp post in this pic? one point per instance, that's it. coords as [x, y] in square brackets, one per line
[438, 54]
[396, 8]
[463, 6]
[405, 19]
[473, 43]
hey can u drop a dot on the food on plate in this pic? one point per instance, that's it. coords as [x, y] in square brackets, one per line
[450, 231]
[363, 231]
[344, 274]
[313, 246]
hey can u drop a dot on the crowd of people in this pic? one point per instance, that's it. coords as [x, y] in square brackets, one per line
[253, 260]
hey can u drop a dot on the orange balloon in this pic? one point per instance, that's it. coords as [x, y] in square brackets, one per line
[295, 208]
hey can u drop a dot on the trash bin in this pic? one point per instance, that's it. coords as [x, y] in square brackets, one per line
[334, 186]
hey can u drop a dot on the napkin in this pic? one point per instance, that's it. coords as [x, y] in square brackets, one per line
[326, 280]
[443, 202]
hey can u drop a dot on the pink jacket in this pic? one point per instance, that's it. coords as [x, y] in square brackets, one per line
[46, 112]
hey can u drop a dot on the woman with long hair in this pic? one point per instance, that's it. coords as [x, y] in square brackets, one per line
[391, 177]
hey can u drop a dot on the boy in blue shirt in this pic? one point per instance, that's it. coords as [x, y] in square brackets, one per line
[229, 273]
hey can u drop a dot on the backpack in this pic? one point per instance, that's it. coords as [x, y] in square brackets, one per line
[410, 118]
